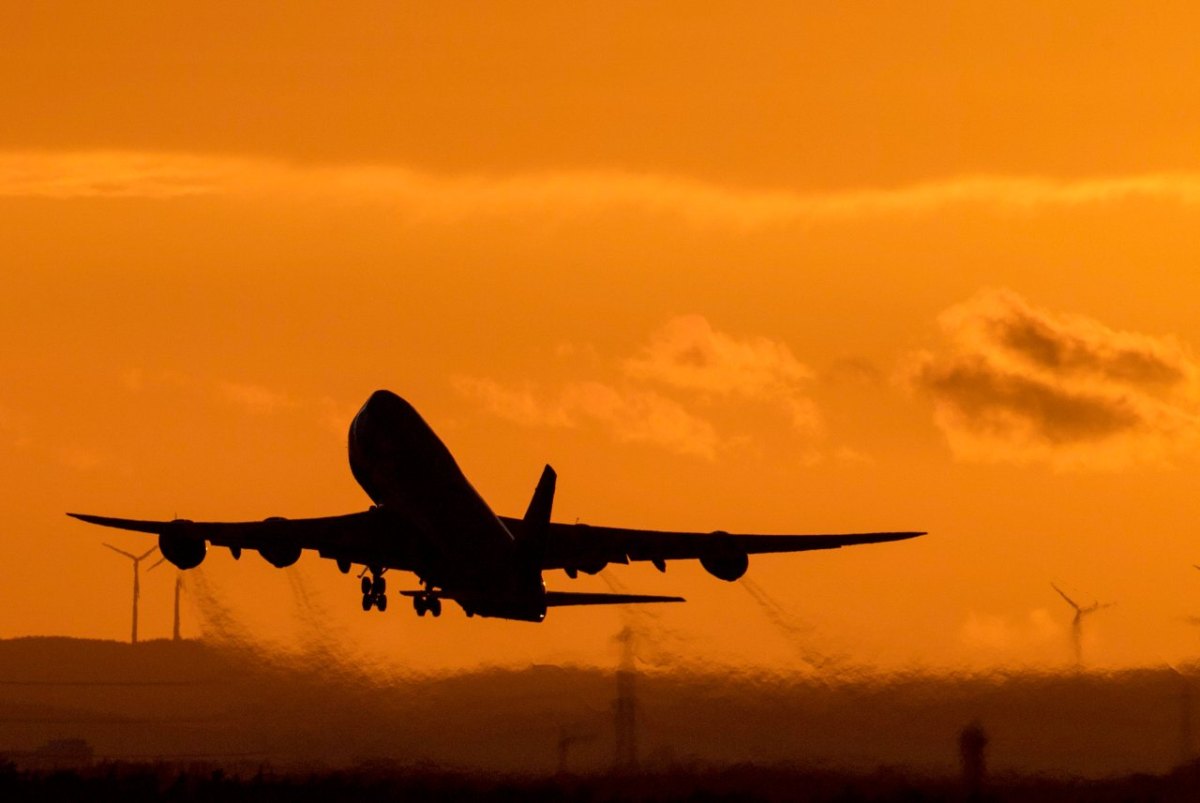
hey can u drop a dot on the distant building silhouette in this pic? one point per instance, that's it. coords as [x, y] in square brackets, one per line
[625, 758]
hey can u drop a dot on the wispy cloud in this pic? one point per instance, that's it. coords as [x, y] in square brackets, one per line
[688, 353]
[1017, 383]
[629, 414]
[253, 398]
[701, 367]
[136, 174]
[250, 398]
[1000, 633]
[116, 174]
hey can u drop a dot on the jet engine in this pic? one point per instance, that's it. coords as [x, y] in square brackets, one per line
[183, 550]
[280, 555]
[725, 560]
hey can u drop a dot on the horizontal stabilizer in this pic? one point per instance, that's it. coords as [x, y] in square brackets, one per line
[556, 599]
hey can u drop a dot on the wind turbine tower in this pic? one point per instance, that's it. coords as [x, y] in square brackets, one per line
[137, 587]
[1077, 622]
[175, 636]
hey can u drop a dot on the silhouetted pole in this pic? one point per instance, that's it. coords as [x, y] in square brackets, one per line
[625, 706]
[972, 752]
[564, 741]
[1187, 738]
[137, 588]
[175, 634]
[1187, 741]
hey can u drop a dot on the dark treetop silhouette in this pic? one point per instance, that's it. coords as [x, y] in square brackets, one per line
[427, 519]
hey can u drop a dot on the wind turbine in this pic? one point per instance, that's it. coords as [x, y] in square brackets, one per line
[1187, 740]
[1077, 621]
[178, 588]
[137, 587]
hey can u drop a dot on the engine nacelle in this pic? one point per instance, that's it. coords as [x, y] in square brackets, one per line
[280, 555]
[725, 560]
[183, 550]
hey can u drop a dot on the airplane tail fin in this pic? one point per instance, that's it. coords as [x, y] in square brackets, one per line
[536, 524]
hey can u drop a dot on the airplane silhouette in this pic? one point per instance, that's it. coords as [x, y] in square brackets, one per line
[428, 520]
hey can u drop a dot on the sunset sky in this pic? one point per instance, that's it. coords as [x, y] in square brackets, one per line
[768, 267]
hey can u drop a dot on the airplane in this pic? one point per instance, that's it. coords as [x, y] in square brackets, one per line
[427, 519]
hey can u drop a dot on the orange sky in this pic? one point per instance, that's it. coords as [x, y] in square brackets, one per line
[827, 267]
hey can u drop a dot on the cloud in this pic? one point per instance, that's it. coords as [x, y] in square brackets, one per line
[702, 368]
[79, 459]
[1018, 383]
[254, 398]
[629, 414]
[114, 174]
[165, 175]
[1004, 633]
[687, 353]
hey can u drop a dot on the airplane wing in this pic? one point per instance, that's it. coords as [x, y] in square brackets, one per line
[588, 548]
[352, 538]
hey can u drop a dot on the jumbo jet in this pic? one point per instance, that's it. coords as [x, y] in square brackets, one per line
[427, 519]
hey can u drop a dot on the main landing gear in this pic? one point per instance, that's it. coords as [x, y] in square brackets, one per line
[427, 602]
[374, 591]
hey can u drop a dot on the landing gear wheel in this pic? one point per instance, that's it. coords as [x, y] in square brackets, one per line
[419, 605]
[366, 585]
[380, 586]
[435, 606]
[367, 602]
[381, 603]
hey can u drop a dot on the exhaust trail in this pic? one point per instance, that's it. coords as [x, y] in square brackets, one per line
[313, 620]
[216, 617]
[798, 633]
[649, 638]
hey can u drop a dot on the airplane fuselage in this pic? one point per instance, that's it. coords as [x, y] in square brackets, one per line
[463, 547]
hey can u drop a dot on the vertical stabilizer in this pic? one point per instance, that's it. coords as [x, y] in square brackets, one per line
[536, 524]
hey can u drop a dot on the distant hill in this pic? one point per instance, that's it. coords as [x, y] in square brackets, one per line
[195, 699]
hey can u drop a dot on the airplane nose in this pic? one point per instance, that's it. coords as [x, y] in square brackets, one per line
[381, 397]
[385, 400]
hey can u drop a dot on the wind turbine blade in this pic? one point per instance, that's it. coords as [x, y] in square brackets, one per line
[129, 555]
[146, 554]
[1070, 601]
